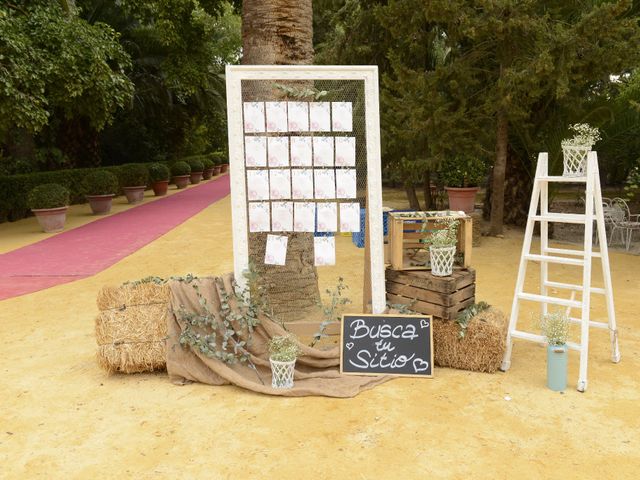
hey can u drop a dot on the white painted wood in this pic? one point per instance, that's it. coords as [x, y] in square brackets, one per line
[545, 259]
[235, 74]
[560, 218]
[566, 251]
[569, 286]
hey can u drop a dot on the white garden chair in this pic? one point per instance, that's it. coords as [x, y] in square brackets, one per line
[622, 221]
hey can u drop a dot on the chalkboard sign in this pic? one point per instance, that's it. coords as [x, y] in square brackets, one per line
[386, 344]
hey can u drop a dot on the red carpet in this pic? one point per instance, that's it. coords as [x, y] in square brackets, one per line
[89, 249]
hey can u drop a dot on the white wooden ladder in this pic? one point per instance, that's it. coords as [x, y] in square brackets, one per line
[579, 258]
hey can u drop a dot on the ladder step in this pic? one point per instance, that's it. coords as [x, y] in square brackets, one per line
[550, 259]
[566, 251]
[604, 326]
[539, 339]
[570, 286]
[551, 178]
[546, 299]
[561, 217]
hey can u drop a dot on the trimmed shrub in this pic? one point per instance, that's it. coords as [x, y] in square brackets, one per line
[159, 172]
[49, 195]
[100, 182]
[219, 158]
[208, 164]
[180, 168]
[196, 164]
[134, 175]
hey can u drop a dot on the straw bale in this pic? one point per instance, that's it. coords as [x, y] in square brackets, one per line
[481, 349]
[131, 328]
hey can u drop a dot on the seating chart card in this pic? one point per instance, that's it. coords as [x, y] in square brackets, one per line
[349, 217]
[282, 216]
[280, 183]
[302, 184]
[346, 183]
[324, 184]
[253, 117]
[257, 185]
[278, 150]
[341, 116]
[304, 214]
[259, 217]
[345, 151]
[324, 250]
[320, 116]
[298, 116]
[275, 252]
[255, 151]
[327, 217]
[276, 116]
[301, 152]
[323, 151]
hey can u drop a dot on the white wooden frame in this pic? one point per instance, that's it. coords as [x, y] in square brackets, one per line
[235, 74]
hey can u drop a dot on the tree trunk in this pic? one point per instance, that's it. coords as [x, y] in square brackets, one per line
[414, 203]
[499, 168]
[428, 200]
[280, 32]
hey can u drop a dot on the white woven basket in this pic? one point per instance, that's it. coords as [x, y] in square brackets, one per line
[574, 160]
[442, 260]
[282, 373]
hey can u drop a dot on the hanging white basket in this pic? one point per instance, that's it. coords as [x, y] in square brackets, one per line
[282, 373]
[575, 160]
[442, 260]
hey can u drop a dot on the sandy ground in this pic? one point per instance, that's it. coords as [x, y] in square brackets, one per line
[62, 417]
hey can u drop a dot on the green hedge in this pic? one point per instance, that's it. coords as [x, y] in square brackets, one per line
[14, 189]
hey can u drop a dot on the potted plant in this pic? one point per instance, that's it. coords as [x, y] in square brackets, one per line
[181, 172]
[100, 187]
[207, 173]
[576, 148]
[442, 246]
[555, 328]
[134, 178]
[197, 167]
[159, 175]
[220, 158]
[462, 176]
[49, 203]
[283, 352]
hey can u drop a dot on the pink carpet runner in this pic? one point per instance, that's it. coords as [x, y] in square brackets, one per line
[87, 250]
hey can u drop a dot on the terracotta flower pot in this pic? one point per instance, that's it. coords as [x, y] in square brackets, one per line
[51, 219]
[181, 181]
[160, 188]
[207, 174]
[217, 169]
[100, 204]
[462, 199]
[196, 177]
[224, 167]
[134, 194]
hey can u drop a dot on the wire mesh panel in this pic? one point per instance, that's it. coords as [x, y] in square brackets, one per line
[301, 156]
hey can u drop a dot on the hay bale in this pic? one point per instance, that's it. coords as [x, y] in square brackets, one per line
[131, 328]
[481, 349]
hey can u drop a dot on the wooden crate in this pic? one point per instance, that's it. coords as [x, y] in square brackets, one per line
[405, 249]
[441, 297]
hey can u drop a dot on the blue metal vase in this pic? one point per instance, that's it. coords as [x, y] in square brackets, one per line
[557, 356]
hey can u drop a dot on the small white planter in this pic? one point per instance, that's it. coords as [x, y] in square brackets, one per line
[575, 160]
[442, 260]
[282, 373]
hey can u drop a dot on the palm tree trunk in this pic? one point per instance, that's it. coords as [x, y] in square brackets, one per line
[499, 168]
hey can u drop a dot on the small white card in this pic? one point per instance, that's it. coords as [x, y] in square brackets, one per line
[302, 184]
[276, 116]
[259, 217]
[298, 116]
[345, 152]
[282, 216]
[324, 251]
[324, 184]
[341, 119]
[327, 217]
[323, 151]
[257, 184]
[320, 116]
[346, 183]
[349, 217]
[280, 183]
[278, 149]
[253, 117]
[276, 251]
[301, 152]
[255, 151]
[304, 215]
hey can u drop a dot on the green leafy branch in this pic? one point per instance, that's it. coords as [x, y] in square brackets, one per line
[301, 92]
[332, 311]
[465, 316]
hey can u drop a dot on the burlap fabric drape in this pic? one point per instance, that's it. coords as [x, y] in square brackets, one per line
[316, 370]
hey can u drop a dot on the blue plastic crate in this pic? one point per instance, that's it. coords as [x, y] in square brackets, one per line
[358, 237]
